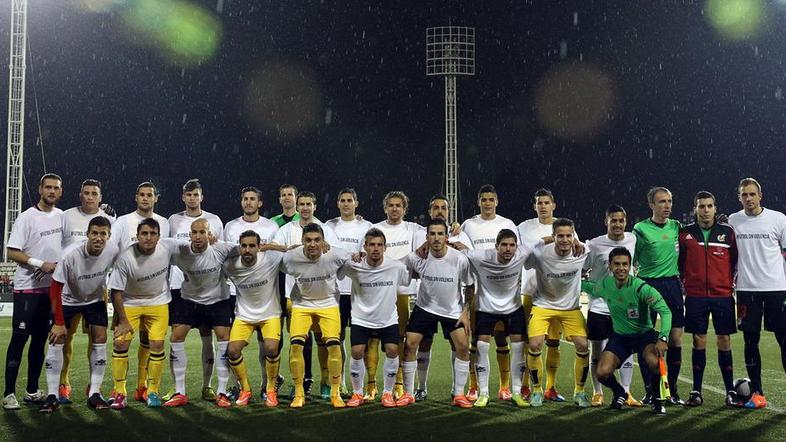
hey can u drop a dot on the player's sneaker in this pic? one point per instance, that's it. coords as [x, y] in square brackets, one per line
[617, 403]
[50, 404]
[140, 394]
[356, 400]
[39, 397]
[398, 390]
[343, 391]
[405, 400]
[647, 399]
[337, 402]
[472, 395]
[279, 383]
[421, 395]
[733, 399]
[271, 400]
[243, 398]
[632, 402]
[526, 393]
[387, 399]
[658, 407]
[695, 399]
[371, 393]
[10, 402]
[519, 401]
[324, 391]
[674, 399]
[64, 394]
[580, 399]
[234, 392]
[537, 399]
[298, 402]
[177, 400]
[504, 394]
[118, 401]
[462, 402]
[307, 384]
[553, 395]
[597, 400]
[153, 400]
[169, 394]
[97, 402]
[756, 401]
[208, 394]
[222, 401]
[482, 401]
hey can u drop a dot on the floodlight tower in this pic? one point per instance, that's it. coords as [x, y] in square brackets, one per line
[450, 51]
[16, 122]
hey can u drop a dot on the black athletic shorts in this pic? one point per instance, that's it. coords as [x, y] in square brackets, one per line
[626, 345]
[233, 301]
[599, 327]
[425, 323]
[194, 314]
[359, 335]
[751, 306]
[670, 288]
[32, 313]
[93, 313]
[176, 297]
[513, 323]
[698, 311]
[345, 310]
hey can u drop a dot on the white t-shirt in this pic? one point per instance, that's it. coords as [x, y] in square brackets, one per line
[291, 234]
[315, 280]
[760, 239]
[257, 286]
[497, 284]
[440, 282]
[374, 291]
[180, 228]
[530, 232]
[400, 240]
[483, 233]
[598, 263]
[124, 228]
[265, 228]
[75, 224]
[84, 275]
[37, 234]
[144, 279]
[351, 235]
[204, 281]
[559, 277]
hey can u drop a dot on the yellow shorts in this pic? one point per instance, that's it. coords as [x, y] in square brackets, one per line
[542, 320]
[154, 319]
[328, 320]
[242, 330]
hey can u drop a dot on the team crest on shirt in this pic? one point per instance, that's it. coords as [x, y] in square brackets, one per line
[665, 236]
[722, 238]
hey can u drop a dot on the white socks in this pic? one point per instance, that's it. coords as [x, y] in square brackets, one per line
[626, 373]
[424, 359]
[53, 365]
[208, 354]
[408, 369]
[179, 361]
[482, 367]
[461, 368]
[98, 364]
[516, 365]
[222, 367]
[390, 369]
[357, 373]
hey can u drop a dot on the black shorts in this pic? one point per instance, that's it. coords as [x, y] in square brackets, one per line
[513, 323]
[282, 294]
[599, 326]
[32, 313]
[233, 301]
[751, 306]
[345, 310]
[425, 323]
[92, 314]
[359, 335]
[176, 297]
[194, 314]
[625, 345]
[670, 288]
[699, 309]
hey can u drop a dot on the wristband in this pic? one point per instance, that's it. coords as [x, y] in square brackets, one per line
[37, 263]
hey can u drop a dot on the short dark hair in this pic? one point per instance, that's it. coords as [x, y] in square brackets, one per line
[619, 251]
[313, 228]
[192, 185]
[505, 234]
[49, 176]
[703, 194]
[150, 222]
[306, 194]
[438, 196]
[287, 186]
[250, 234]
[90, 182]
[147, 184]
[562, 222]
[348, 190]
[251, 189]
[651, 193]
[374, 233]
[99, 221]
[543, 192]
[614, 209]
[487, 188]
[437, 222]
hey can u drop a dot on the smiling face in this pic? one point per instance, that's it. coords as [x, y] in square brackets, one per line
[97, 237]
[199, 235]
[395, 210]
[487, 202]
[563, 239]
[615, 224]
[346, 205]
[620, 267]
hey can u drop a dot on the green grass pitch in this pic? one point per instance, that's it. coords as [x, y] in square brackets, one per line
[433, 419]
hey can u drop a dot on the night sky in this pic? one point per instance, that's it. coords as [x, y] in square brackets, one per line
[597, 101]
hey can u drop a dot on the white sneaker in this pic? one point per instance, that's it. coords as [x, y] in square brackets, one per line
[35, 398]
[10, 402]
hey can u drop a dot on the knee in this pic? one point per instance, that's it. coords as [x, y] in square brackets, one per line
[581, 345]
[234, 350]
[99, 337]
[271, 349]
[391, 351]
[358, 352]
[120, 345]
[157, 346]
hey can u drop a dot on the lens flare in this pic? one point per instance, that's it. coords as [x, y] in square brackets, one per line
[736, 19]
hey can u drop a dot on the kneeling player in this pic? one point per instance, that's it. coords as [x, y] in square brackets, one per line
[255, 276]
[78, 287]
[374, 294]
[630, 300]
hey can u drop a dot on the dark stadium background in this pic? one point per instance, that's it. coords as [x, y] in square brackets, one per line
[596, 100]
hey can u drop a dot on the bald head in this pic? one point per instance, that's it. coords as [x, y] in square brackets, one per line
[200, 231]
